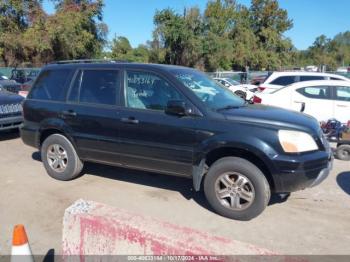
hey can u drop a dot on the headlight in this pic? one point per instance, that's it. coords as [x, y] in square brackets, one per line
[296, 142]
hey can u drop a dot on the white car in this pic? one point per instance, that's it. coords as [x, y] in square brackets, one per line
[323, 99]
[243, 90]
[277, 80]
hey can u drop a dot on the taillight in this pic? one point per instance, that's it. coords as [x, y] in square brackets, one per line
[257, 100]
[261, 88]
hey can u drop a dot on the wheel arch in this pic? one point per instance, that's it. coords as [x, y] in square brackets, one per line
[51, 127]
[217, 153]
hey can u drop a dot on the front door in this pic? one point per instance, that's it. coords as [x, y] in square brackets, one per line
[317, 101]
[150, 138]
[342, 103]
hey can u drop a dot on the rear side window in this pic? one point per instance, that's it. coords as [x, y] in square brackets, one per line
[342, 93]
[51, 85]
[315, 92]
[310, 78]
[283, 80]
[95, 87]
[336, 78]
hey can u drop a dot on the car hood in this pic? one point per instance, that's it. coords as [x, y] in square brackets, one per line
[9, 98]
[8, 83]
[273, 116]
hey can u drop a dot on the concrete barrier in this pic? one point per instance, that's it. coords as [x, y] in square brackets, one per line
[94, 228]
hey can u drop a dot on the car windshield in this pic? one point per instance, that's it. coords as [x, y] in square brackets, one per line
[209, 91]
[232, 82]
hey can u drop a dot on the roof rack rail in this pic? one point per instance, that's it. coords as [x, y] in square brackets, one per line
[88, 61]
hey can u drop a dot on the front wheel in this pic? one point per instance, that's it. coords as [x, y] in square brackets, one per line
[236, 188]
[60, 159]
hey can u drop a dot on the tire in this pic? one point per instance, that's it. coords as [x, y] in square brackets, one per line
[241, 94]
[255, 183]
[343, 152]
[69, 165]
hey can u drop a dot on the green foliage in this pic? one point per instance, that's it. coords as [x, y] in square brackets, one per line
[122, 50]
[27, 33]
[325, 51]
[226, 35]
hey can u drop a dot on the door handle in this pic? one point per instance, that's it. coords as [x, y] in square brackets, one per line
[68, 113]
[129, 120]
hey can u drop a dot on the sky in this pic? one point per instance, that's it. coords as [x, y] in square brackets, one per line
[311, 18]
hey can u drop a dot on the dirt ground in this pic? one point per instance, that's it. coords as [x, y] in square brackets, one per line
[313, 221]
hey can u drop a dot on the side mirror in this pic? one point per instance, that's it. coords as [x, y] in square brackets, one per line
[302, 109]
[176, 107]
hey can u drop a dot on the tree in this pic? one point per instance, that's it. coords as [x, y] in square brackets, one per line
[121, 48]
[342, 40]
[179, 35]
[76, 30]
[219, 19]
[269, 22]
[14, 20]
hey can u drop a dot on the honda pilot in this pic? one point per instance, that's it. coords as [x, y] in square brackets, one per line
[175, 121]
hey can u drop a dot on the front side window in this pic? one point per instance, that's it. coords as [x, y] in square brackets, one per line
[51, 85]
[95, 87]
[284, 80]
[315, 92]
[214, 95]
[342, 93]
[146, 90]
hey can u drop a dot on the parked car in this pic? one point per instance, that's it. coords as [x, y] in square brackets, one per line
[22, 75]
[9, 85]
[153, 117]
[258, 79]
[322, 99]
[242, 90]
[10, 110]
[277, 80]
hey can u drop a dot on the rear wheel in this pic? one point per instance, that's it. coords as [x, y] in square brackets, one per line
[60, 159]
[236, 188]
[343, 152]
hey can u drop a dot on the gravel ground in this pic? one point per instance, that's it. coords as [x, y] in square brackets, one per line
[313, 221]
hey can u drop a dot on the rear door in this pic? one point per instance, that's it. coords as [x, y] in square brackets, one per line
[342, 103]
[317, 100]
[150, 138]
[92, 113]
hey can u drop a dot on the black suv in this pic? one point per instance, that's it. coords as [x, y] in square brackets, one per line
[177, 121]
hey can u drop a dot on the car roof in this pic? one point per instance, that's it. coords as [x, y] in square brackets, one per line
[320, 83]
[112, 64]
[302, 73]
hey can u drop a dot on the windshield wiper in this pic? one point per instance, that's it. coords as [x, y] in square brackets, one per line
[228, 107]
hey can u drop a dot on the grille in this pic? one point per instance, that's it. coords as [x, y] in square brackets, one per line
[10, 109]
[12, 88]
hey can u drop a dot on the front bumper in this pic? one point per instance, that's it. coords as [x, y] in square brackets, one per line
[323, 174]
[10, 122]
[295, 173]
